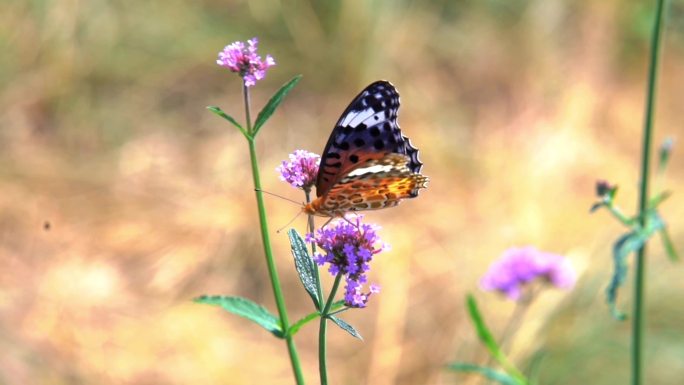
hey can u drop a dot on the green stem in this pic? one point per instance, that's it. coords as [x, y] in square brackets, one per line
[639, 275]
[266, 240]
[248, 115]
[515, 320]
[322, 360]
[311, 227]
[620, 216]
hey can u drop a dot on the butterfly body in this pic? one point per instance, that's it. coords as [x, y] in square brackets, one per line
[367, 164]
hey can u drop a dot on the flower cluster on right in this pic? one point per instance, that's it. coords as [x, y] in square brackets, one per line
[518, 267]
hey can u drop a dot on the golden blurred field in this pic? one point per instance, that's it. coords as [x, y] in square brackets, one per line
[517, 108]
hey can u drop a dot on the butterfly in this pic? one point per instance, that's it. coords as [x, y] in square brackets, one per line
[367, 163]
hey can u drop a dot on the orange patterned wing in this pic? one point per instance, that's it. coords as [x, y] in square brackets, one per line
[375, 184]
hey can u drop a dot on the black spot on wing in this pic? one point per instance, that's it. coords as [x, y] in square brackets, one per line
[367, 126]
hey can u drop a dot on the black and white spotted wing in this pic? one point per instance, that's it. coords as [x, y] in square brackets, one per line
[367, 130]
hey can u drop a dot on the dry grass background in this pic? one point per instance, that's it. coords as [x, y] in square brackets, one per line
[517, 107]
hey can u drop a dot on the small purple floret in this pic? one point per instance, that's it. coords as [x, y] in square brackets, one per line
[520, 266]
[349, 249]
[301, 170]
[244, 60]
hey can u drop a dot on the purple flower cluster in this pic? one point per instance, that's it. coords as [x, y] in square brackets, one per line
[348, 249]
[244, 60]
[301, 170]
[520, 266]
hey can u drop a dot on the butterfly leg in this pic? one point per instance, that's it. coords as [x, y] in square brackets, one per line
[328, 221]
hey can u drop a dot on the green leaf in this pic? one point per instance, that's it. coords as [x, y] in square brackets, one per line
[488, 340]
[625, 245]
[345, 326]
[310, 317]
[274, 102]
[305, 266]
[658, 224]
[482, 331]
[247, 309]
[669, 246]
[500, 377]
[299, 324]
[218, 111]
[658, 199]
[597, 206]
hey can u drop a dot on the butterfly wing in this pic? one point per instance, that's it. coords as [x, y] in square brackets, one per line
[367, 130]
[376, 184]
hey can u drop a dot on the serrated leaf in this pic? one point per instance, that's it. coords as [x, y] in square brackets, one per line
[305, 266]
[274, 102]
[494, 375]
[247, 309]
[345, 326]
[218, 111]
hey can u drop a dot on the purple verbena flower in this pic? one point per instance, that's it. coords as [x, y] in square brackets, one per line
[244, 60]
[348, 249]
[301, 170]
[520, 266]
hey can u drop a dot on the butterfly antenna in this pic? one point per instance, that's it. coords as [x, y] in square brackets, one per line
[281, 197]
[288, 223]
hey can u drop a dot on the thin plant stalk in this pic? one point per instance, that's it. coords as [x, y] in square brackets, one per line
[640, 271]
[266, 240]
[322, 332]
[513, 324]
[322, 359]
[311, 227]
[515, 321]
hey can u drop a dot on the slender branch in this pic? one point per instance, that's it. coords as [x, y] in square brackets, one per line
[248, 117]
[322, 359]
[266, 240]
[515, 320]
[311, 227]
[640, 272]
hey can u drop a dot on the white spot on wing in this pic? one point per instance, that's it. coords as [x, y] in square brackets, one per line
[378, 168]
[354, 118]
[360, 119]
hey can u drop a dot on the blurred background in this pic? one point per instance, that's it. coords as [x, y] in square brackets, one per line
[122, 197]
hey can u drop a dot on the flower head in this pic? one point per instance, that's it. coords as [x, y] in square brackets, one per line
[520, 266]
[348, 249]
[605, 190]
[244, 60]
[301, 170]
